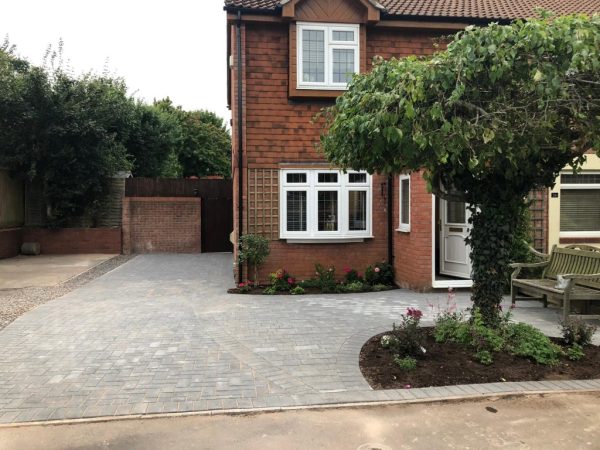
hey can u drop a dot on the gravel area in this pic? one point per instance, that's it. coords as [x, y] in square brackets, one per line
[16, 302]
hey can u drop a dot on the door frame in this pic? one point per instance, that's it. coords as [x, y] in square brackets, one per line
[465, 283]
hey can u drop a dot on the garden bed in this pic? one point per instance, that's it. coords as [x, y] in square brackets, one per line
[449, 363]
[260, 290]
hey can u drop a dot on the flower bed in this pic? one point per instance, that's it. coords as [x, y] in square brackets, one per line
[377, 277]
[463, 351]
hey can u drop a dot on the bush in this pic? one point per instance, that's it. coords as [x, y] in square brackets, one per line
[380, 273]
[407, 363]
[351, 275]
[576, 331]
[298, 290]
[388, 341]
[282, 281]
[524, 340]
[409, 335]
[380, 287]
[310, 283]
[270, 291]
[484, 357]
[446, 326]
[355, 286]
[325, 278]
[575, 352]
[244, 288]
[253, 250]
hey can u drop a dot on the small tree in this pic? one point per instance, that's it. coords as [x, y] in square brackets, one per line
[254, 250]
[498, 114]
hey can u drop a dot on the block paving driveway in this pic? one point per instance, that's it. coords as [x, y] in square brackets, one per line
[160, 334]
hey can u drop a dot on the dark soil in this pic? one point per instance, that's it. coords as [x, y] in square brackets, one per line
[308, 290]
[449, 364]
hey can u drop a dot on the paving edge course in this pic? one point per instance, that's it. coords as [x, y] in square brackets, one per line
[484, 391]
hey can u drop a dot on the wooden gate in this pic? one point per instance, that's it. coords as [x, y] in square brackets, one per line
[217, 204]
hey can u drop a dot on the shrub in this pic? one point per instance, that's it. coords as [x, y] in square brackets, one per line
[355, 286]
[380, 273]
[484, 357]
[310, 283]
[524, 340]
[282, 281]
[407, 363]
[575, 352]
[270, 291]
[351, 275]
[576, 331]
[388, 341]
[380, 287]
[253, 250]
[244, 288]
[325, 278]
[298, 290]
[446, 326]
[409, 336]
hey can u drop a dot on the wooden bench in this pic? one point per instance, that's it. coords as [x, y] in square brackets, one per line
[579, 265]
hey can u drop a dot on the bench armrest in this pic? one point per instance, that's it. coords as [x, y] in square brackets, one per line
[522, 265]
[580, 276]
[538, 254]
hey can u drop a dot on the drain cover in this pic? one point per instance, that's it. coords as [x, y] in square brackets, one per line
[371, 446]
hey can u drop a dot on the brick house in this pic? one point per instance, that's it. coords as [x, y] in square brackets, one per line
[290, 58]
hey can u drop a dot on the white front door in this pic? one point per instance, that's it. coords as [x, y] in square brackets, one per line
[454, 251]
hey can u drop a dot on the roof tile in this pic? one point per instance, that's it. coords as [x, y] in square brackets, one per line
[468, 9]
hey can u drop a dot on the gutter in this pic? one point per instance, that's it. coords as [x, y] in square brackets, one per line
[240, 135]
[390, 220]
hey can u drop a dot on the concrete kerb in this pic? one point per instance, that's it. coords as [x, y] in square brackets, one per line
[480, 397]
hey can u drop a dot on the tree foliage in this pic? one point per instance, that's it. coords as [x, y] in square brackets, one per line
[71, 134]
[497, 114]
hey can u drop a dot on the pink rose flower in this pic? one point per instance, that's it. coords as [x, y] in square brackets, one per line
[241, 284]
[290, 280]
[377, 270]
[347, 269]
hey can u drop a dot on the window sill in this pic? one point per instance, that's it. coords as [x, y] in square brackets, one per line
[403, 230]
[340, 240]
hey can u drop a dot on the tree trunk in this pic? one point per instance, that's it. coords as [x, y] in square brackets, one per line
[491, 241]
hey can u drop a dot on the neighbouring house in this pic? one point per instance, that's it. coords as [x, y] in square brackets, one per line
[290, 58]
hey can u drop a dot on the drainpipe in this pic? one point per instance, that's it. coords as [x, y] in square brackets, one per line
[390, 217]
[240, 135]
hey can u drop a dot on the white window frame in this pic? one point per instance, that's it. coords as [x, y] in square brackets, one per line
[581, 186]
[403, 227]
[330, 45]
[343, 187]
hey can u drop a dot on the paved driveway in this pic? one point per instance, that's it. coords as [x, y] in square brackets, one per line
[159, 334]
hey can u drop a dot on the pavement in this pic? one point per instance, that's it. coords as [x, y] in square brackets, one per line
[159, 334]
[45, 270]
[535, 422]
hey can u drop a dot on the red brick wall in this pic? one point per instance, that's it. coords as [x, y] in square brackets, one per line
[10, 242]
[412, 250]
[279, 129]
[161, 224]
[75, 240]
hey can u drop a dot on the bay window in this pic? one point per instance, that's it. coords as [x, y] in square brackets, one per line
[325, 204]
[328, 55]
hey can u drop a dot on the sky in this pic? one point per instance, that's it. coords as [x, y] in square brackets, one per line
[174, 48]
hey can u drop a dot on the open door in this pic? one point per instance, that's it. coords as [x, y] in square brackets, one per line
[454, 251]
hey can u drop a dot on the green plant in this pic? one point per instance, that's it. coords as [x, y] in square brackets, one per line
[407, 363]
[380, 273]
[244, 288]
[388, 340]
[484, 357]
[325, 278]
[577, 331]
[524, 340]
[355, 286]
[253, 249]
[298, 290]
[308, 284]
[474, 143]
[282, 281]
[351, 275]
[380, 287]
[409, 335]
[575, 352]
[446, 326]
[270, 290]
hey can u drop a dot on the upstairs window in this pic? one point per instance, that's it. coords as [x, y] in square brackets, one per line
[328, 55]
